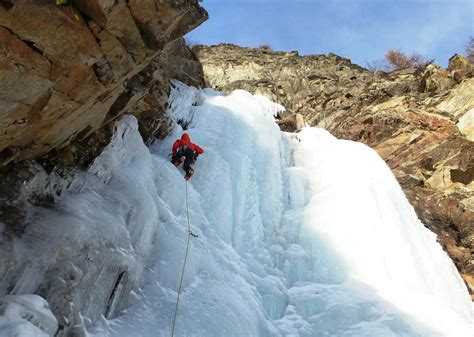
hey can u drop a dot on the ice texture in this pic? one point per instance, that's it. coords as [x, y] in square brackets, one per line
[26, 316]
[300, 235]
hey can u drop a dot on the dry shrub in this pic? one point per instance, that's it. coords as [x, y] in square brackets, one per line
[192, 44]
[398, 60]
[265, 46]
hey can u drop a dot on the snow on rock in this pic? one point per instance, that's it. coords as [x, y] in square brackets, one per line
[26, 316]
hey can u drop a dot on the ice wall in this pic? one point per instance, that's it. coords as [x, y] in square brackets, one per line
[90, 247]
[26, 316]
[299, 235]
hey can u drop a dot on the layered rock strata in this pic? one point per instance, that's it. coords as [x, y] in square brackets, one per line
[68, 69]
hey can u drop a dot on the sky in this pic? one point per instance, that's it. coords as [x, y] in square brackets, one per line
[362, 30]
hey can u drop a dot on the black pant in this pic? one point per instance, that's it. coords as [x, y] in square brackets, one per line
[190, 157]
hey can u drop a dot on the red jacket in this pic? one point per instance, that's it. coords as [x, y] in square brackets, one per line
[186, 141]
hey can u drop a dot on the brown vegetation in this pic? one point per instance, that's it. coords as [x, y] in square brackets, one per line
[395, 59]
[398, 60]
[265, 46]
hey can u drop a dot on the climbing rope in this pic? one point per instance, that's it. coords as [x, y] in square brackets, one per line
[184, 264]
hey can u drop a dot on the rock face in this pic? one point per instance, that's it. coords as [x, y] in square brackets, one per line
[420, 121]
[66, 73]
[290, 122]
[67, 70]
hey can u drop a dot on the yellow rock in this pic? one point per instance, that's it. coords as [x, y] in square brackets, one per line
[460, 99]
[466, 124]
[441, 178]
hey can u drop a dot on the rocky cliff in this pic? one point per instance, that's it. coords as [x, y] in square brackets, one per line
[68, 69]
[419, 120]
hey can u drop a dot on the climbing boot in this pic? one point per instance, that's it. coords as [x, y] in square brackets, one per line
[189, 174]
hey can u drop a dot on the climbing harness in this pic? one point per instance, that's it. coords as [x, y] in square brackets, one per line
[185, 260]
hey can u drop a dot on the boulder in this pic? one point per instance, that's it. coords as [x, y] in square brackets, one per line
[460, 67]
[292, 123]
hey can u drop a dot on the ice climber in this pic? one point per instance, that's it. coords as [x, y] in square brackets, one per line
[185, 151]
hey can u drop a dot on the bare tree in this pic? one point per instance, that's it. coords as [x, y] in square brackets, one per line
[470, 49]
[398, 60]
[377, 65]
[193, 45]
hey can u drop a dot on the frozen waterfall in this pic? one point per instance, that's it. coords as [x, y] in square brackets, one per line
[299, 234]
